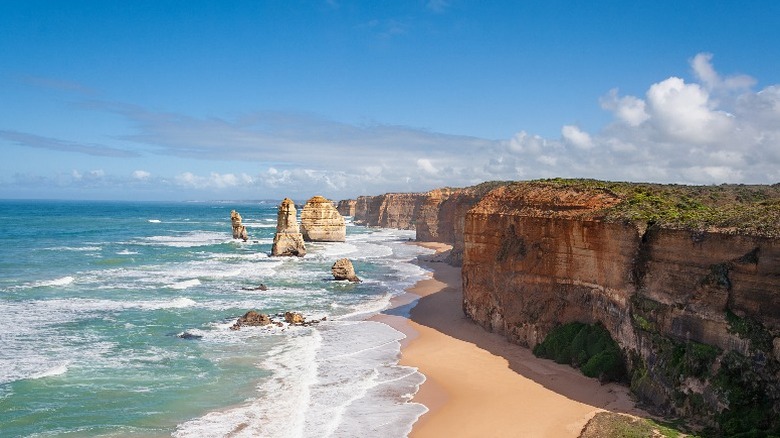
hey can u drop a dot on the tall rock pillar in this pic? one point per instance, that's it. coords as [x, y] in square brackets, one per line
[288, 240]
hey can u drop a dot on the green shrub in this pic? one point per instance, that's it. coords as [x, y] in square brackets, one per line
[589, 347]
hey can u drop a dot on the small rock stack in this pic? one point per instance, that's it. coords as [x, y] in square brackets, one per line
[239, 231]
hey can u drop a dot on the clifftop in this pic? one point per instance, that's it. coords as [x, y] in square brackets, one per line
[733, 209]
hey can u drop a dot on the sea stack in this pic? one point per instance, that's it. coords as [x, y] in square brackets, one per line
[321, 222]
[239, 231]
[343, 270]
[288, 240]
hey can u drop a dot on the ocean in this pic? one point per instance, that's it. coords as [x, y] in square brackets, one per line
[96, 297]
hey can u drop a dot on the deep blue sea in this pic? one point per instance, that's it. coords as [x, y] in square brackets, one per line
[94, 298]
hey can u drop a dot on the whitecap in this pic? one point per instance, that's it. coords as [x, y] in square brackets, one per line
[54, 371]
[185, 284]
[62, 281]
[154, 221]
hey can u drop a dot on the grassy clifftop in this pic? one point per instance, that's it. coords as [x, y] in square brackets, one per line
[744, 209]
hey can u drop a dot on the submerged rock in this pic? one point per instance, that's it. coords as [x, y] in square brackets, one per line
[343, 270]
[288, 240]
[239, 230]
[321, 222]
[251, 318]
[188, 335]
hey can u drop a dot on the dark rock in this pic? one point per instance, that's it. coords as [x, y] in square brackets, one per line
[251, 318]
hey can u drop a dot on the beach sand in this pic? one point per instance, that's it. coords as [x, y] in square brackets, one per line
[478, 384]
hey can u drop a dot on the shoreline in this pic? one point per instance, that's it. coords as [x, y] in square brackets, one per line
[479, 384]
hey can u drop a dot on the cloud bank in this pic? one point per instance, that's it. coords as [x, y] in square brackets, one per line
[714, 129]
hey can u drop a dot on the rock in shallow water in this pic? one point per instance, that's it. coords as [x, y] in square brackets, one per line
[251, 318]
[343, 270]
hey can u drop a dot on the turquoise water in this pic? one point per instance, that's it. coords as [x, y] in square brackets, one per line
[94, 298]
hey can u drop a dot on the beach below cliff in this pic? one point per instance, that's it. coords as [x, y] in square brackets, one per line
[477, 383]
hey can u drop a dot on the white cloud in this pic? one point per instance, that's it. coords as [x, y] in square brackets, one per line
[214, 180]
[682, 112]
[425, 165]
[705, 72]
[141, 175]
[629, 109]
[576, 137]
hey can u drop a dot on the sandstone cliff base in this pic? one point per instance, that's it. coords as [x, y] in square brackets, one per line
[478, 384]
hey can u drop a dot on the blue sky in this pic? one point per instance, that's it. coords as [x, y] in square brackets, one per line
[166, 100]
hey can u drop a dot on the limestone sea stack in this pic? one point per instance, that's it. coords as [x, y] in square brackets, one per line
[288, 240]
[321, 222]
[239, 231]
[343, 270]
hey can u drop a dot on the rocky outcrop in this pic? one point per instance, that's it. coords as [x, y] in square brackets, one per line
[343, 270]
[695, 311]
[321, 222]
[346, 207]
[251, 318]
[288, 240]
[294, 318]
[239, 230]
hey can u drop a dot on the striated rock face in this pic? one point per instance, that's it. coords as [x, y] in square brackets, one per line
[239, 231]
[442, 216]
[288, 240]
[343, 270]
[696, 313]
[321, 222]
[346, 207]
[391, 210]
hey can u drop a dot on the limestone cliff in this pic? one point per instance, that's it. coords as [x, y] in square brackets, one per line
[695, 309]
[288, 240]
[346, 207]
[442, 215]
[391, 210]
[321, 222]
[685, 279]
[239, 230]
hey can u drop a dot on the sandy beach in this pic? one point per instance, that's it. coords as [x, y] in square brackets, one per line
[478, 384]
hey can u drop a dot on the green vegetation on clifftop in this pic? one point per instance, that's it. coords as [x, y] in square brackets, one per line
[748, 209]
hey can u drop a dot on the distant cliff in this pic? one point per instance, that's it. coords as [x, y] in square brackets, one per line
[391, 210]
[685, 279]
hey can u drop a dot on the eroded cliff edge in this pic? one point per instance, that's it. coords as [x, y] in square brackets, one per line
[685, 279]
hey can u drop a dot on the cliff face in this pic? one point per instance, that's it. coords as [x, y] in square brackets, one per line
[693, 311]
[346, 207]
[391, 210]
[442, 216]
[321, 222]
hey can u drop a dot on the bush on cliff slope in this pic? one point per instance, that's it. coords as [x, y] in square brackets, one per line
[588, 347]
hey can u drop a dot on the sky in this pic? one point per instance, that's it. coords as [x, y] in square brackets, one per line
[205, 100]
